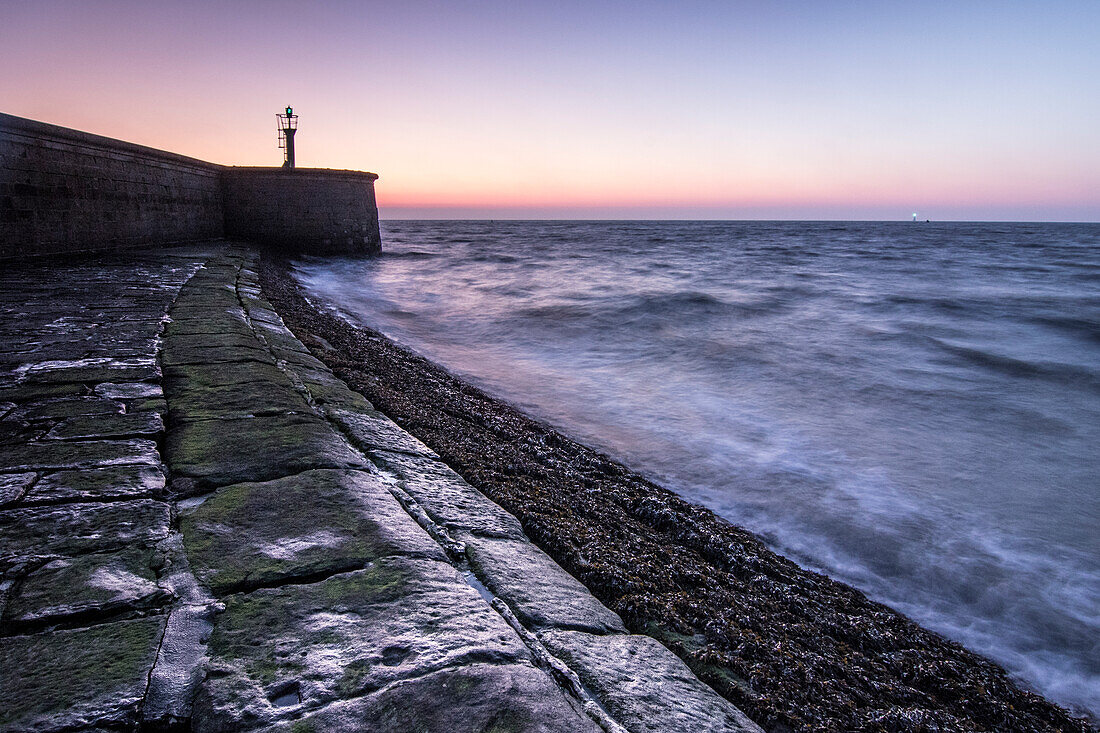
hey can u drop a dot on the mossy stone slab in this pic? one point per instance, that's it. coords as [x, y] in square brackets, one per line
[308, 645]
[97, 484]
[56, 455]
[447, 498]
[479, 698]
[311, 524]
[71, 529]
[250, 399]
[131, 425]
[70, 680]
[89, 586]
[203, 352]
[182, 376]
[536, 588]
[647, 688]
[222, 452]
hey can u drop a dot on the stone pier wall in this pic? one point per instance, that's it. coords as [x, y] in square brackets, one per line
[67, 191]
[63, 191]
[303, 209]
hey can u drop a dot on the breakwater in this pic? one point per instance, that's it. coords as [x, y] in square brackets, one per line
[63, 191]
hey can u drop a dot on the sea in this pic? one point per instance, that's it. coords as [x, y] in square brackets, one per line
[912, 408]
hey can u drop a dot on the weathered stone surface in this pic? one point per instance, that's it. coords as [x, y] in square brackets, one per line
[644, 685]
[93, 584]
[308, 525]
[58, 455]
[96, 484]
[108, 426]
[13, 486]
[65, 407]
[128, 390]
[220, 452]
[66, 680]
[193, 350]
[302, 646]
[447, 498]
[250, 399]
[373, 430]
[537, 590]
[24, 392]
[178, 670]
[183, 376]
[478, 698]
[70, 529]
[110, 371]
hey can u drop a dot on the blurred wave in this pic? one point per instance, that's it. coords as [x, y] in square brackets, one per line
[910, 408]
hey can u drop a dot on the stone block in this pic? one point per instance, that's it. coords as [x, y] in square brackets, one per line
[220, 452]
[71, 529]
[538, 590]
[447, 498]
[477, 698]
[647, 688]
[89, 586]
[308, 525]
[76, 680]
[281, 651]
[97, 484]
[137, 424]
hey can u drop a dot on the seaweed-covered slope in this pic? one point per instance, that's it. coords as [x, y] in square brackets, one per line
[792, 648]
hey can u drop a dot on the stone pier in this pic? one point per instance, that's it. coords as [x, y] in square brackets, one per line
[202, 528]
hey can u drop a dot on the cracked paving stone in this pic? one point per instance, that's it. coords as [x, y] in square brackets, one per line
[536, 588]
[308, 525]
[71, 529]
[89, 586]
[221, 452]
[343, 637]
[478, 698]
[647, 688]
[108, 426]
[96, 484]
[57, 455]
[447, 498]
[80, 679]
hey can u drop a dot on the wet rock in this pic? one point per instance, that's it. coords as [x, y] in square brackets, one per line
[71, 529]
[89, 586]
[97, 484]
[472, 699]
[537, 590]
[111, 371]
[13, 486]
[645, 686]
[220, 452]
[279, 651]
[108, 426]
[308, 525]
[213, 349]
[447, 498]
[59, 455]
[68, 680]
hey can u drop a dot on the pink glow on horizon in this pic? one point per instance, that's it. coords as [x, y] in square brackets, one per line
[868, 109]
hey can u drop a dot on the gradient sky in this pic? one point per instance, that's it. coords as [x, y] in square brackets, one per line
[597, 109]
